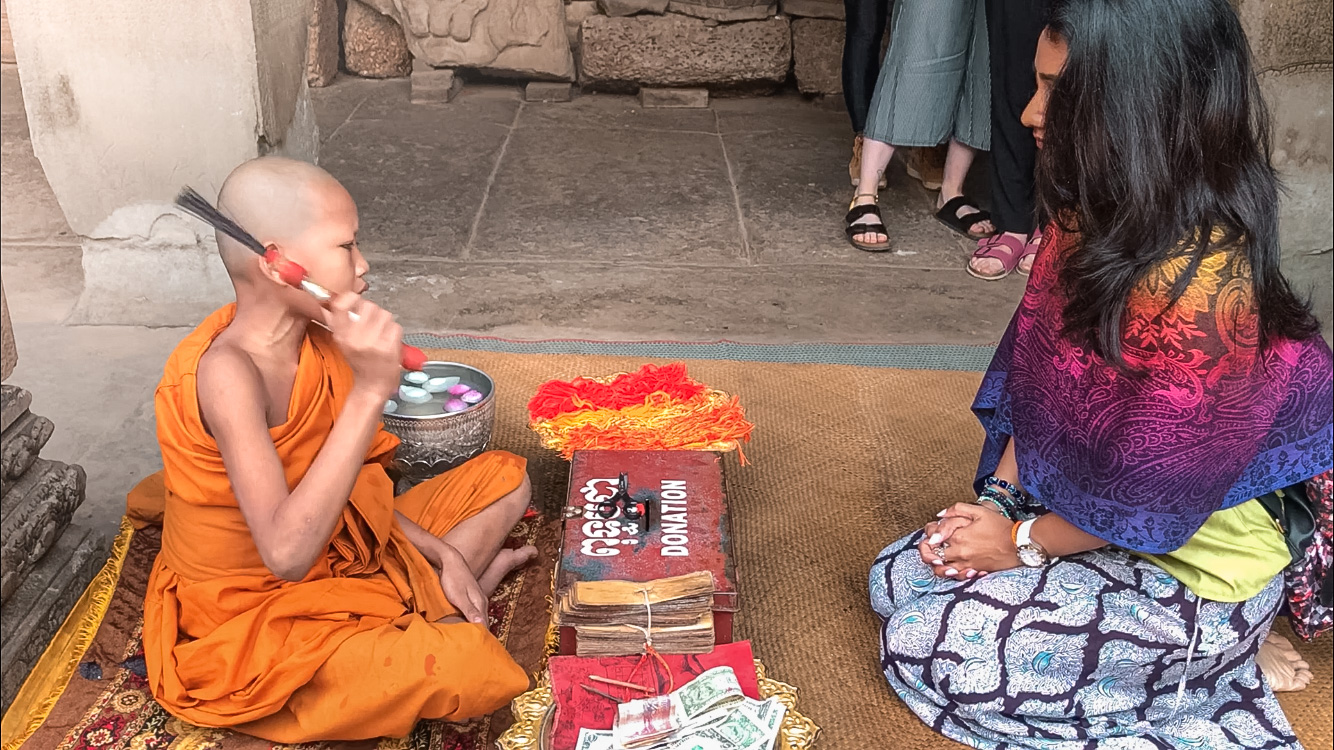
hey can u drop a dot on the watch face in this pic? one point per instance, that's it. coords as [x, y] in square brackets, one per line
[1032, 557]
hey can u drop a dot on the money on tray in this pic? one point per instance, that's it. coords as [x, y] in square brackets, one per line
[706, 713]
[741, 725]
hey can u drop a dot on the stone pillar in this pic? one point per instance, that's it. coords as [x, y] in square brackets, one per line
[129, 100]
[45, 562]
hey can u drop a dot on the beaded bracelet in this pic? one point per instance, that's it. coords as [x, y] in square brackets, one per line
[1001, 484]
[1003, 503]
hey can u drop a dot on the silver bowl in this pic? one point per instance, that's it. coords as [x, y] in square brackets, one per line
[435, 442]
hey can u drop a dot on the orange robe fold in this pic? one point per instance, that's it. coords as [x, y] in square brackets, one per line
[352, 651]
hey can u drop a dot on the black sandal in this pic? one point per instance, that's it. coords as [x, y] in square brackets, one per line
[856, 212]
[949, 216]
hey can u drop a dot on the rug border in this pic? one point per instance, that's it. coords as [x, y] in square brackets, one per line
[51, 674]
[953, 357]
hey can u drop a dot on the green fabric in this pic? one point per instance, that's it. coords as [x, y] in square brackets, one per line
[1231, 558]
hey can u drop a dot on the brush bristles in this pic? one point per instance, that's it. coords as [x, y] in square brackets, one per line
[195, 204]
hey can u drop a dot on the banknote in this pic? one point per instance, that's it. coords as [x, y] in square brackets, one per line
[592, 739]
[718, 685]
[644, 722]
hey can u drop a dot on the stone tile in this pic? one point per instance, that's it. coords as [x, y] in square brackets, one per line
[335, 102]
[418, 179]
[866, 302]
[794, 193]
[42, 284]
[391, 101]
[613, 112]
[572, 194]
[119, 367]
[115, 466]
[789, 113]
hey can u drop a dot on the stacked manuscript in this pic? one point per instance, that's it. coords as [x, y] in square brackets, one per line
[612, 618]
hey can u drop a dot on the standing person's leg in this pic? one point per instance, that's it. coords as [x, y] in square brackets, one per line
[864, 31]
[971, 133]
[1013, 28]
[913, 104]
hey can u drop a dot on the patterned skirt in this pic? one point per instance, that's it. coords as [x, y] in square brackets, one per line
[1099, 650]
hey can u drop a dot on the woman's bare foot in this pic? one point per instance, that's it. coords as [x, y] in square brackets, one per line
[505, 562]
[1282, 666]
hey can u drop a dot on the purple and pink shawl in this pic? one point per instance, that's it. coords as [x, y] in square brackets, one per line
[1142, 460]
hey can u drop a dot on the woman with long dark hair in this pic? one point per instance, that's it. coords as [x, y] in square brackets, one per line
[1159, 386]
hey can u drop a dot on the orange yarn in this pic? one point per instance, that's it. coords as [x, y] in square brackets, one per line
[677, 414]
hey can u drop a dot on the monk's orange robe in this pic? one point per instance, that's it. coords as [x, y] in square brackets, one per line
[352, 651]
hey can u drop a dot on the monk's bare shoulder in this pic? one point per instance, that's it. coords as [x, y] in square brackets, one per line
[230, 389]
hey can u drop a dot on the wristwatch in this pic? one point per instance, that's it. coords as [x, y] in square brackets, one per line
[1030, 552]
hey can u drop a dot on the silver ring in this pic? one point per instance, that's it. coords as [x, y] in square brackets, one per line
[940, 550]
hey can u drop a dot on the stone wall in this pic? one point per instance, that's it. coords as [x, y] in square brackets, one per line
[608, 44]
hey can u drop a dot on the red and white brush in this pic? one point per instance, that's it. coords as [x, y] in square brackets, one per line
[291, 273]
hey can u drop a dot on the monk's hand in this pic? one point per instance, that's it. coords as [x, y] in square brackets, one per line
[460, 585]
[983, 544]
[370, 340]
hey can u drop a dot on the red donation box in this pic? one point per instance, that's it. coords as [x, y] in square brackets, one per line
[688, 528]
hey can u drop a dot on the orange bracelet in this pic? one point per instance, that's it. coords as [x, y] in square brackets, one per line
[1014, 533]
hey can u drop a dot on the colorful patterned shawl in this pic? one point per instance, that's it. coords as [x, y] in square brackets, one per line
[1141, 461]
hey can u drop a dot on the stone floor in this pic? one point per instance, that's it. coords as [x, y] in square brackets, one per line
[590, 219]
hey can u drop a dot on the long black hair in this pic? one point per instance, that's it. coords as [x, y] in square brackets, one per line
[1156, 136]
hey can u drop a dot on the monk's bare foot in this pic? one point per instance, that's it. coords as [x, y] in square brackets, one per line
[506, 561]
[1282, 666]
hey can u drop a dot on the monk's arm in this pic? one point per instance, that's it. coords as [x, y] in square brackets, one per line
[292, 528]
[425, 542]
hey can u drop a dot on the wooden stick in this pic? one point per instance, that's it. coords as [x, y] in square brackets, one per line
[595, 691]
[618, 683]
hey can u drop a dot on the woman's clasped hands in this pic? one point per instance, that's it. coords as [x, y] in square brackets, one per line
[969, 541]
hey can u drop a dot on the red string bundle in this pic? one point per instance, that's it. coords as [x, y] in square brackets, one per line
[558, 397]
[655, 408]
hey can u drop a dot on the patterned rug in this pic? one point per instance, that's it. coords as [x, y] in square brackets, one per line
[107, 704]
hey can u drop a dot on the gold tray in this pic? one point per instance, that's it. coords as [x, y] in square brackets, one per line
[534, 713]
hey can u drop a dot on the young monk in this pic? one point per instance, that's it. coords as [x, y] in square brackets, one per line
[295, 598]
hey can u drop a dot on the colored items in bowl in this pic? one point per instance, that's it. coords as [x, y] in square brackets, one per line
[440, 385]
[455, 404]
[413, 395]
[458, 389]
[390, 406]
[416, 378]
[471, 397]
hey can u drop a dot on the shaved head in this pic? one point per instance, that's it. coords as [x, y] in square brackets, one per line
[277, 201]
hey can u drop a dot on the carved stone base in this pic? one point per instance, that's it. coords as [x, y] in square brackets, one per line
[41, 603]
[23, 440]
[36, 509]
[14, 402]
